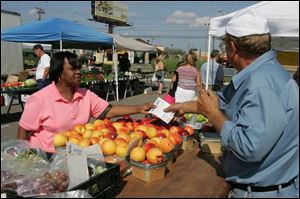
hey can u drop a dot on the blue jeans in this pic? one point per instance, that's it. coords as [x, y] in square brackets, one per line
[291, 191]
[43, 83]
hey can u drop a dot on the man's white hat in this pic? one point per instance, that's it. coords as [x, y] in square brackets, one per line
[245, 23]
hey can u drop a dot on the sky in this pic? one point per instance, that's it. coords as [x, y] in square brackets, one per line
[173, 24]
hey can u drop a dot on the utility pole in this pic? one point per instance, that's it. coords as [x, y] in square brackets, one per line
[40, 12]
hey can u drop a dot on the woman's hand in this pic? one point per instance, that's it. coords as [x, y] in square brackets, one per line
[144, 108]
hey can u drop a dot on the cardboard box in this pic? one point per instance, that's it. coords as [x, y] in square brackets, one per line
[187, 142]
[210, 143]
[149, 172]
[149, 175]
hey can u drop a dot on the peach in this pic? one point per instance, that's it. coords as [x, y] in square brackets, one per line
[123, 129]
[156, 139]
[121, 151]
[189, 129]
[99, 123]
[60, 140]
[109, 147]
[68, 133]
[94, 140]
[111, 129]
[165, 131]
[84, 143]
[87, 134]
[175, 138]
[138, 154]
[102, 140]
[99, 127]
[74, 140]
[111, 135]
[117, 125]
[151, 132]
[153, 142]
[161, 135]
[106, 121]
[125, 136]
[166, 145]
[121, 142]
[154, 156]
[79, 128]
[174, 129]
[148, 146]
[89, 126]
[130, 126]
[97, 133]
[142, 128]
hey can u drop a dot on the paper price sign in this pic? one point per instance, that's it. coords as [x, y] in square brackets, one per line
[77, 164]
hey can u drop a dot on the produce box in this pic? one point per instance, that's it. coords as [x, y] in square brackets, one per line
[149, 172]
[104, 185]
[187, 142]
[210, 142]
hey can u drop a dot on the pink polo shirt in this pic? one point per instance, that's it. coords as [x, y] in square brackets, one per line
[47, 113]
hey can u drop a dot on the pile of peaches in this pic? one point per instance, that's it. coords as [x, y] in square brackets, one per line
[115, 137]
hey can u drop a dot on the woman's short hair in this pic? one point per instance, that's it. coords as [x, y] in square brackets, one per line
[57, 64]
[252, 45]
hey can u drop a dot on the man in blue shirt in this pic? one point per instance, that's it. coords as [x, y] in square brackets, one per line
[257, 114]
[215, 79]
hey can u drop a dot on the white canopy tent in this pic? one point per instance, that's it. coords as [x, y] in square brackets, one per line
[131, 44]
[283, 21]
[125, 43]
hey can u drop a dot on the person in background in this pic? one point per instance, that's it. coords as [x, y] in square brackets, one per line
[213, 82]
[256, 115]
[159, 74]
[62, 105]
[189, 79]
[124, 63]
[42, 69]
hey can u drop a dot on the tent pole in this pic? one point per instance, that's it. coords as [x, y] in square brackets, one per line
[60, 42]
[116, 70]
[208, 61]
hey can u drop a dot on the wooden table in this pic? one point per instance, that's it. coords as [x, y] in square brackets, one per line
[194, 174]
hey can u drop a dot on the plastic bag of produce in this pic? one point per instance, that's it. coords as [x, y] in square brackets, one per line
[17, 157]
[69, 194]
[54, 179]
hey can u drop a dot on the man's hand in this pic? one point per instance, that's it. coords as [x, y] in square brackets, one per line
[208, 105]
[176, 108]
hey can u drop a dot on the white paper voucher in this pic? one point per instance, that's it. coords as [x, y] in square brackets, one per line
[159, 110]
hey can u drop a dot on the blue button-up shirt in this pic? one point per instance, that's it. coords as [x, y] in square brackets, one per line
[261, 136]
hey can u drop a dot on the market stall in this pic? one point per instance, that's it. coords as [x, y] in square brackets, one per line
[125, 43]
[283, 21]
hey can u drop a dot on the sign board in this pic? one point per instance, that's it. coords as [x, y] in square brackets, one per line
[110, 12]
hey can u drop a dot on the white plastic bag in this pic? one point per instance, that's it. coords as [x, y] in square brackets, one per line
[154, 77]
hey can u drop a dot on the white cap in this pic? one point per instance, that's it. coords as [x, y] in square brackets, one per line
[245, 23]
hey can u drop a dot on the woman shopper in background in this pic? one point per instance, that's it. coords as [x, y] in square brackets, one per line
[159, 74]
[189, 79]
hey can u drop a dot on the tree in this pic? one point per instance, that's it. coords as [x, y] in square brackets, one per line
[172, 52]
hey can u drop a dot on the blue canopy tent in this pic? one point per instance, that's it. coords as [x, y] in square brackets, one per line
[61, 33]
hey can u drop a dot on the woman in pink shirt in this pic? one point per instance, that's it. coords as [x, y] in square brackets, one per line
[62, 105]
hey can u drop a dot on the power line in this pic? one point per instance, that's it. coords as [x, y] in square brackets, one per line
[40, 12]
